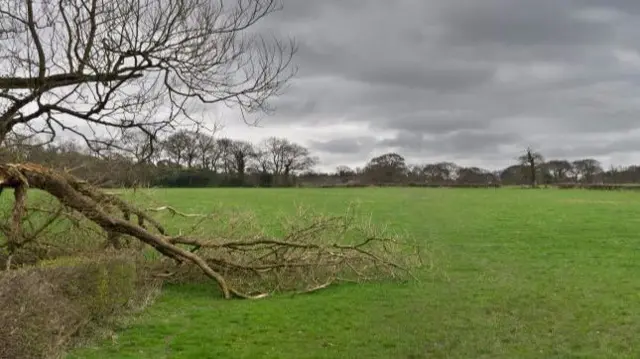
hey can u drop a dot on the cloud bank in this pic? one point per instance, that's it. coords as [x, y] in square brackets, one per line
[471, 82]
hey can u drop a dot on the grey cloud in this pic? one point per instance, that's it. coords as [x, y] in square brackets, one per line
[594, 148]
[521, 23]
[409, 74]
[345, 145]
[467, 80]
[434, 122]
[297, 10]
[623, 6]
[457, 145]
[443, 78]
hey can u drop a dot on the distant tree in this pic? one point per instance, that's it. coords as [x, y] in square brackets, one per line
[612, 175]
[386, 168]
[178, 146]
[223, 160]
[241, 153]
[629, 174]
[205, 148]
[345, 173]
[587, 169]
[559, 170]
[512, 175]
[296, 159]
[532, 162]
[261, 161]
[140, 147]
[261, 165]
[441, 172]
[274, 149]
[475, 175]
[284, 158]
[416, 173]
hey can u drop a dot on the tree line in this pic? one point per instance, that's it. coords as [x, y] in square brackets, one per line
[530, 169]
[195, 159]
[183, 159]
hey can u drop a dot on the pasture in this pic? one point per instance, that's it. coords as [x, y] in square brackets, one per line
[516, 274]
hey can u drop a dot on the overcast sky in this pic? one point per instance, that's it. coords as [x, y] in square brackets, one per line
[473, 82]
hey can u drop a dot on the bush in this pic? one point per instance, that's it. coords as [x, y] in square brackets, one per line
[45, 306]
[412, 184]
[600, 186]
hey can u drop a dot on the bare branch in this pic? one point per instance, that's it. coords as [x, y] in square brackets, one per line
[174, 212]
[140, 65]
[316, 251]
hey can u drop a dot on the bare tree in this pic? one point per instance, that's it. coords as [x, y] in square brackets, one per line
[224, 157]
[345, 173]
[274, 149]
[297, 158]
[241, 152]
[441, 172]
[206, 148]
[261, 164]
[192, 151]
[532, 161]
[285, 158]
[587, 169]
[559, 170]
[475, 175]
[138, 64]
[177, 146]
[140, 147]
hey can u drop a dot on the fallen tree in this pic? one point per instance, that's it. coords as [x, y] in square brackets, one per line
[314, 252]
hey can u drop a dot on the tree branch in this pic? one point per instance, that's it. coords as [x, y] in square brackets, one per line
[60, 80]
[246, 268]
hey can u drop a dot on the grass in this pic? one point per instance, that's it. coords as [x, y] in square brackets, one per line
[519, 274]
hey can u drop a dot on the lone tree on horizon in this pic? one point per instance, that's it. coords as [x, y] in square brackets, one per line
[532, 161]
[101, 69]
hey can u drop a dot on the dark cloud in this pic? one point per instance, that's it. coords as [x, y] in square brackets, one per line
[520, 24]
[468, 80]
[417, 144]
[623, 6]
[460, 142]
[414, 77]
[598, 148]
[438, 122]
[345, 145]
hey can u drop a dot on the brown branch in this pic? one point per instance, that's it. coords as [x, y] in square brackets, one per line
[174, 212]
[57, 185]
[31, 24]
[135, 65]
[60, 80]
[303, 258]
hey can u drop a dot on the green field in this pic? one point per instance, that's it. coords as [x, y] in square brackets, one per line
[518, 274]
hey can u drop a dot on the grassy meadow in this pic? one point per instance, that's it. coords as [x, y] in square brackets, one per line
[516, 274]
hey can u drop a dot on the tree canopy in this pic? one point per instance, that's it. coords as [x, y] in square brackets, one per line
[103, 69]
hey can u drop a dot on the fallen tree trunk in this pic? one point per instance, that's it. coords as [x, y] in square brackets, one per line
[270, 257]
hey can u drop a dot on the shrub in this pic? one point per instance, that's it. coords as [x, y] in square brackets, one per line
[600, 186]
[45, 306]
[412, 184]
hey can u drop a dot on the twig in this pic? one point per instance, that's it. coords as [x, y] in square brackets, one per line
[174, 212]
